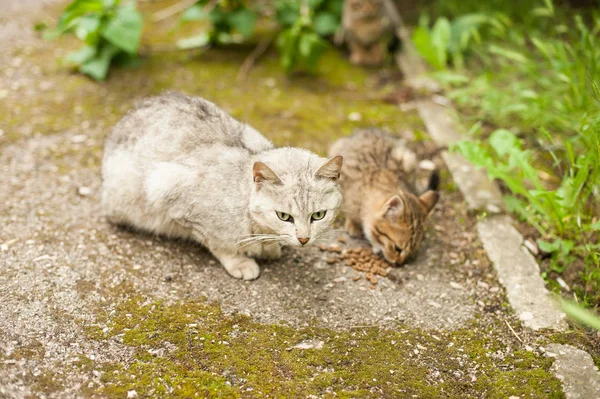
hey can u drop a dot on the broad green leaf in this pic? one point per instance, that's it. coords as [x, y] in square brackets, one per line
[194, 13]
[81, 56]
[504, 142]
[549, 247]
[441, 38]
[325, 24]
[580, 314]
[286, 42]
[422, 41]
[97, 67]
[76, 9]
[87, 29]
[305, 44]
[313, 4]
[197, 41]
[125, 29]
[287, 12]
[243, 21]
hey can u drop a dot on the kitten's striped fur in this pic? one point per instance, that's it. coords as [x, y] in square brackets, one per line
[378, 187]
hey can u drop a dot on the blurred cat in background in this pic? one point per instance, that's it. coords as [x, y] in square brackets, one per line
[365, 24]
[378, 187]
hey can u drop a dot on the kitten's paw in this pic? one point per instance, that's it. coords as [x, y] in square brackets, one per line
[246, 269]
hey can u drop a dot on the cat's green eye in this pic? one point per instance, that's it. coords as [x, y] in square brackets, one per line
[318, 215]
[286, 217]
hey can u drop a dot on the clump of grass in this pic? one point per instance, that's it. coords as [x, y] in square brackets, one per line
[532, 80]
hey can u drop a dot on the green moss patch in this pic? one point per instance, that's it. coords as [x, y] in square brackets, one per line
[189, 349]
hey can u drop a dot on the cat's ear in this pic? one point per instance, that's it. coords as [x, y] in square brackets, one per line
[331, 169]
[428, 200]
[393, 207]
[263, 174]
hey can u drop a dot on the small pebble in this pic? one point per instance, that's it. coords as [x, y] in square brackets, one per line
[532, 247]
[354, 116]
[84, 191]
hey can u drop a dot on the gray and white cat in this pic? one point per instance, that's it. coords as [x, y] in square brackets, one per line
[182, 167]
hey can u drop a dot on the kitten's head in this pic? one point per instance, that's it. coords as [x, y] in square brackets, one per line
[296, 195]
[365, 8]
[399, 228]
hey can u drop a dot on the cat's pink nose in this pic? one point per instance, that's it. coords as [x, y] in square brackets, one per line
[303, 240]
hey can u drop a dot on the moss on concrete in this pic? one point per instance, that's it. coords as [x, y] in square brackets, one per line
[188, 349]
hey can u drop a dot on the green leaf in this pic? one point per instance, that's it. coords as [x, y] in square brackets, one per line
[125, 29]
[504, 142]
[549, 247]
[97, 67]
[197, 41]
[595, 226]
[287, 14]
[580, 314]
[87, 29]
[243, 21]
[325, 24]
[194, 13]
[508, 54]
[441, 36]
[314, 4]
[305, 45]
[76, 9]
[81, 56]
[422, 41]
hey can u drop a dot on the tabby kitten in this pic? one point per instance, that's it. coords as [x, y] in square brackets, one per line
[365, 23]
[377, 183]
[182, 167]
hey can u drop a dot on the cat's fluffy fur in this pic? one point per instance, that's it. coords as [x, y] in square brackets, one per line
[182, 167]
[377, 183]
[365, 23]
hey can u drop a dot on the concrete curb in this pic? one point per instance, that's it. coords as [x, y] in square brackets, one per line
[576, 370]
[518, 271]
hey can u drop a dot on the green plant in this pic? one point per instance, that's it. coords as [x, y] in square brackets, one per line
[448, 41]
[580, 314]
[299, 43]
[111, 32]
[531, 87]
[561, 213]
[230, 21]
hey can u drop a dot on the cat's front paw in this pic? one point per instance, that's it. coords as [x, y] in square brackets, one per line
[246, 269]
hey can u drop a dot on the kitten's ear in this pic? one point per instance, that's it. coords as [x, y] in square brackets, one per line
[428, 200]
[263, 174]
[331, 169]
[393, 207]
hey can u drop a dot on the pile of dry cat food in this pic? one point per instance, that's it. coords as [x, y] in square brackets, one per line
[360, 259]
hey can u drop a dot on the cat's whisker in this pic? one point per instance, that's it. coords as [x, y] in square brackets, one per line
[258, 238]
[261, 240]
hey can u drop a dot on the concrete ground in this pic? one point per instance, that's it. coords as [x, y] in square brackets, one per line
[69, 281]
